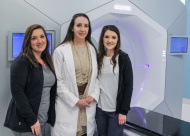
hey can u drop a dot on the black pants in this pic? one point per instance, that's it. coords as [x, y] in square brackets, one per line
[107, 123]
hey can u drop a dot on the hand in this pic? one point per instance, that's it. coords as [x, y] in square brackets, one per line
[82, 103]
[36, 128]
[122, 119]
[89, 99]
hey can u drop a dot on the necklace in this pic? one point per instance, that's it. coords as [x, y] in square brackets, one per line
[84, 74]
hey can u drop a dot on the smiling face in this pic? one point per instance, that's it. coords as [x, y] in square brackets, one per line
[81, 28]
[38, 41]
[110, 40]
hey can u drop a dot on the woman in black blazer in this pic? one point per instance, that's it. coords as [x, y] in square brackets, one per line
[33, 86]
[116, 83]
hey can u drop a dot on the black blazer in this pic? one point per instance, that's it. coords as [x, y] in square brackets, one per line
[26, 88]
[125, 86]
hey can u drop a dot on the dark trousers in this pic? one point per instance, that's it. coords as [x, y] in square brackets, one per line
[107, 123]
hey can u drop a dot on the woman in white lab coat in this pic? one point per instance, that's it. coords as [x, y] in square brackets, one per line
[76, 69]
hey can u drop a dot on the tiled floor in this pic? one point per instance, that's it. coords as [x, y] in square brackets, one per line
[186, 110]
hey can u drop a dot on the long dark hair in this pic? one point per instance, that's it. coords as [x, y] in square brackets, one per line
[102, 50]
[70, 35]
[27, 50]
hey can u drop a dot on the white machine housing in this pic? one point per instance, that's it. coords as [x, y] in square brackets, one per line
[145, 27]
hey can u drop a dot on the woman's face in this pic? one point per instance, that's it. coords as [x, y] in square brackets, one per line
[110, 40]
[81, 28]
[38, 41]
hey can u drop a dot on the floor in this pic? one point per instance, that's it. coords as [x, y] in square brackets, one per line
[186, 110]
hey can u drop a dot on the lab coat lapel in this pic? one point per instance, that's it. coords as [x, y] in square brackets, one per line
[70, 62]
[94, 65]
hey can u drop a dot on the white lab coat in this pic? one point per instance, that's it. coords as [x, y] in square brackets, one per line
[67, 91]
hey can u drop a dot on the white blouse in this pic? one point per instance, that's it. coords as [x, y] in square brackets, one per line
[108, 85]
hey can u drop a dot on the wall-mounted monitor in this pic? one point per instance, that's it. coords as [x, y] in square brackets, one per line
[178, 44]
[15, 40]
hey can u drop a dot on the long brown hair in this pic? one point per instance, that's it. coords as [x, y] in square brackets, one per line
[70, 35]
[27, 50]
[102, 50]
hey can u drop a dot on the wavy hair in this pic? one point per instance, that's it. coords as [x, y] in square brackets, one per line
[27, 49]
[102, 49]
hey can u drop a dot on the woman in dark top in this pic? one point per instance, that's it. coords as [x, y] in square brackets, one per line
[33, 86]
[116, 83]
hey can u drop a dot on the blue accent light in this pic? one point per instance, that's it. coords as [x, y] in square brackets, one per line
[179, 45]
